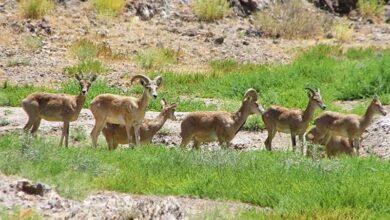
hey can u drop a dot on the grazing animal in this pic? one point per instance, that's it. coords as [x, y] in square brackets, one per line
[293, 121]
[128, 111]
[56, 107]
[348, 125]
[222, 126]
[116, 134]
[334, 145]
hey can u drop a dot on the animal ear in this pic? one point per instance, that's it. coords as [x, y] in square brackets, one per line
[158, 80]
[93, 77]
[78, 77]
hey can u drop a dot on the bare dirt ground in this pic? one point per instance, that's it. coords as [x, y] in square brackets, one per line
[376, 140]
[110, 205]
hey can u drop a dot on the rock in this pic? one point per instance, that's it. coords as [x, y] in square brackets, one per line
[246, 43]
[219, 40]
[253, 32]
[329, 35]
[27, 187]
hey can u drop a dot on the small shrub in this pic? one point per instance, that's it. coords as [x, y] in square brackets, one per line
[292, 20]
[156, 57]
[342, 31]
[33, 43]
[36, 8]
[371, 8]
[210, 10]
[4, 101]
[108, 7]
[84, 49]
[78, 134]
[18, 62]
[87, 66]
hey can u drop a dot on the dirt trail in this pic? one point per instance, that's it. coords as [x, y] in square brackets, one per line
[375, 141]
[111, 205]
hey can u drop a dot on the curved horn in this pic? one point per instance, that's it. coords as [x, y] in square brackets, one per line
[251, 93]
[310, 90]
[139, 77]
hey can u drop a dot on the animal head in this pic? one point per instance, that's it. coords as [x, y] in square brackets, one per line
[377, 105]
[168, 110]
[250, 100]
[150, 86]
[85, 84]
[315, 96]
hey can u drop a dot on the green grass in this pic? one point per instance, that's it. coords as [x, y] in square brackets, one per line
[84, 49]
[86, 66]
[36, 8]
[32, 43]
[210, 10]
[291, 185]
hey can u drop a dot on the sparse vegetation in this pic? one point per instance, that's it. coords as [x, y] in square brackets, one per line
[210, 10]
[342, 31]
[78, 134]
[292, 20]
[19, 213]
[32, 42]
[109, 7]
[156, 58]
[84, 49]
[86, 66]
[372, 9]
[289, 184]
[226, 65]
[36, 8]
[18, 62]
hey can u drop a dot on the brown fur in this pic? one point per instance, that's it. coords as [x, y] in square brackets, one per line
[222, 126]
[55, 107]
[334, 146]
[129, 111]
[293, 121]
[348, 125]
[116, 134]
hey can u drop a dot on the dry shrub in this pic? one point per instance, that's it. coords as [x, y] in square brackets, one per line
[342, 31]
[109, 7]
[35, 8]
[371, 9]
[293, 20]
[210, 10]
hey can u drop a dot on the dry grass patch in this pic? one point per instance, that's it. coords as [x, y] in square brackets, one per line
[293, 20]
[342, 31]
[35, 9]
[157, 58]
[210, 10]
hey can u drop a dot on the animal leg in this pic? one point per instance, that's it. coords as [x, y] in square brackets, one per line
[137, 134]
[196, 144]
[129, 136]
[185, 141]
[29, 124]
[303, 143]
[66, 124]
[36, 126]
[268, 141]
[293, 141]
[99, 125]
[357, 143]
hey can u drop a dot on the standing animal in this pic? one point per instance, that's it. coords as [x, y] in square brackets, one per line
[56, 107]
[348, 125]
[293, 121]
[222, 126]
[334, 145]
[116, 134]
[128, 111]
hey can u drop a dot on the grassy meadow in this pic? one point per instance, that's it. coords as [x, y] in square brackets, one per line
[291, 185]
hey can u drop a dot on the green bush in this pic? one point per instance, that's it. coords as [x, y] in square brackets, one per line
[109, 7]
[86, 66]
[210, 10]
[84, 49]
[156, 58]
[36, 8]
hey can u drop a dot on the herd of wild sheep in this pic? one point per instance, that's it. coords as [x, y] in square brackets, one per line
[121, 119]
